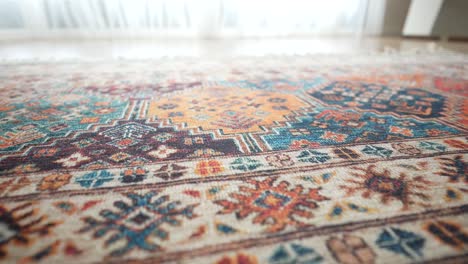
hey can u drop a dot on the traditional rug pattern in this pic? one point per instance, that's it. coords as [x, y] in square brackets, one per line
[313, 159]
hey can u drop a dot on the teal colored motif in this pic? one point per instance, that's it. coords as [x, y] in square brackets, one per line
[133, 224]
[295, 253]
[245, 164]
[352, 126]
[313, 156]
[225, 229]
[35, 122]
[95, 179]
[432, 146]
[377, 151]
[401, 242]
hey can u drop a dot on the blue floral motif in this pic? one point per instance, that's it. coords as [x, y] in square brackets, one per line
[432, 146]
[313, 156]
[377, 151]
[95, 179]
[245, 164]
[134, 223]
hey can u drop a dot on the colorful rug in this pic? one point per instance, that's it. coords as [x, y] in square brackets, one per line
[312, 159]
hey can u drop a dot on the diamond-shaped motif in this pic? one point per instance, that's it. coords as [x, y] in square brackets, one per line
[272, 200]
[124, 142]
[401, 242]
[120, 156]
[139, 219]
[163, 137]
[129, 130]
[84, 142]
[89, 120]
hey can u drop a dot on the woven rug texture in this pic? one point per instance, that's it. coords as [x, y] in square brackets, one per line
[275, 159]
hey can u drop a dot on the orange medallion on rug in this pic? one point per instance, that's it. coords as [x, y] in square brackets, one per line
[231, 109]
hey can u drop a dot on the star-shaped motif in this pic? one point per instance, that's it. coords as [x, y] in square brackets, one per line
[73, 160]
[162, 152]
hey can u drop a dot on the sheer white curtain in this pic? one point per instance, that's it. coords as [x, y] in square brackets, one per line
[184, 18]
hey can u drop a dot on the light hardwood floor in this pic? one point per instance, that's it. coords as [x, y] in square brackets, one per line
[100, 49]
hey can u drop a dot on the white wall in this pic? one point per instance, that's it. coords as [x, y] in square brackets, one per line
[421, 17]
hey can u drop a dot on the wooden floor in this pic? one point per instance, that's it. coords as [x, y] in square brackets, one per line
[69, 49]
